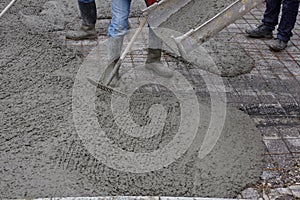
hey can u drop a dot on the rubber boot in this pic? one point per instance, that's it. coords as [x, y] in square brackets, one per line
[114, 52]
[87, 30]
[154, 63]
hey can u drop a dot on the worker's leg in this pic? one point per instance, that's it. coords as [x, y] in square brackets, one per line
[88, 13]
[288, 19]
[153, 61]
[117, 29]
[118, 26]
[271, 14]
[270, 20]
[286, 25]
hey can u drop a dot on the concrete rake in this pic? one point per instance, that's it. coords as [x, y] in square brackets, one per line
[161, 11]
[117, 66]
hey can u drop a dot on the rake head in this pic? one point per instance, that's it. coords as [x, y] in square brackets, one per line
[106, 88]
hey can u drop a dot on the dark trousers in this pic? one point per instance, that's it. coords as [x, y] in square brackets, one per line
[288, 19]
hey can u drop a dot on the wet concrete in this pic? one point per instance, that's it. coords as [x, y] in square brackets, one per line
[231, 59]
[42, 155]
[195, 14]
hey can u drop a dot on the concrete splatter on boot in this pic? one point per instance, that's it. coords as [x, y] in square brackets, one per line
[114, 52]
[154, 64]
[278, 45]
[84, 33]
[87, 30]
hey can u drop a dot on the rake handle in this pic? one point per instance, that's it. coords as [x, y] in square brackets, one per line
[7, 7]
[120, 61]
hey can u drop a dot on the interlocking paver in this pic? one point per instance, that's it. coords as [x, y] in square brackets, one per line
[293, 144]
[277, 75]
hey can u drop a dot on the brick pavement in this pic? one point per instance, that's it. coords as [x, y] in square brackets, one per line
[270, 95]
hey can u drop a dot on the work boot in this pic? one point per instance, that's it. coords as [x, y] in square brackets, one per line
[87, 30]
[108, 71]
[84, 33]
[154, 63]
[262, 31]
[277, 45]
[114, 52]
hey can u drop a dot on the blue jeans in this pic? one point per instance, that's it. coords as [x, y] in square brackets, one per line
[288, 18]
[118, 26]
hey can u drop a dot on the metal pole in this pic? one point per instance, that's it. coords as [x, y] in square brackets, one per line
[7, 7]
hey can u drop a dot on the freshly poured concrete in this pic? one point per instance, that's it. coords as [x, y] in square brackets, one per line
[195, 14]
[231, 60]
[42, 155]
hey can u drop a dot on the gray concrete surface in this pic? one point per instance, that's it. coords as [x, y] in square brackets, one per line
[42, 155]
[194, 14]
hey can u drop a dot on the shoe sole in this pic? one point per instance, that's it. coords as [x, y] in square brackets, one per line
[276, 50]
[260, 37]
[85, 38]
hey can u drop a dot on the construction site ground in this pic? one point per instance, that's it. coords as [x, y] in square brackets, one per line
[43, 156]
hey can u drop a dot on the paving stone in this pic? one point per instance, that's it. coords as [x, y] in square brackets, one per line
[273, 194]
[276, 145]
[250, 193]
[295, 190]
[293, 144]
[269, 131]
[284, 160]
[284, 191]
[270, 171]
[265, 196]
